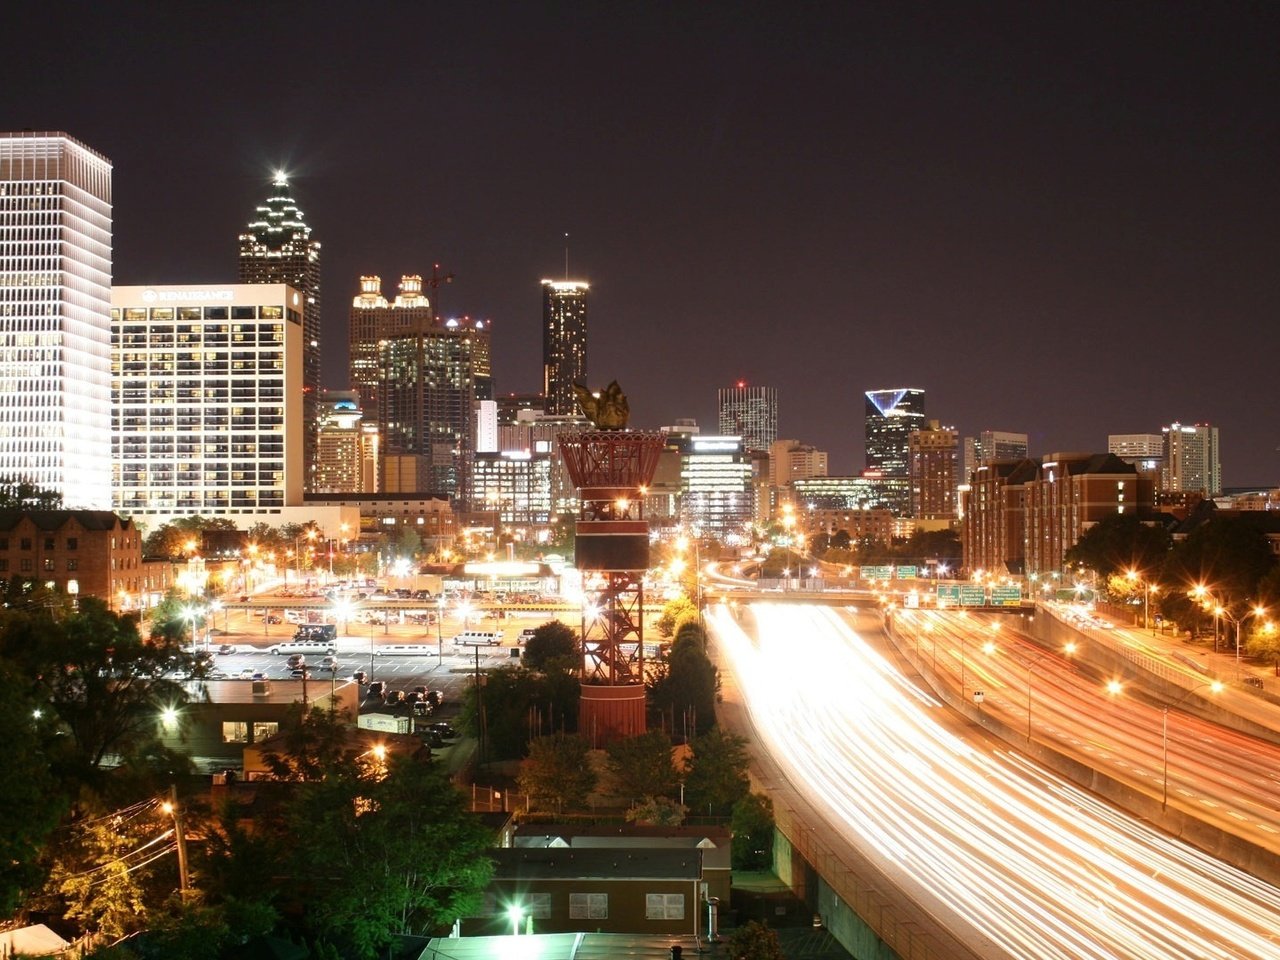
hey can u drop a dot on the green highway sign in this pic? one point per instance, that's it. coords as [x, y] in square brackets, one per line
[971, 596]
[1006, 596]
[907, 573]
[948, 594]
[877, 573]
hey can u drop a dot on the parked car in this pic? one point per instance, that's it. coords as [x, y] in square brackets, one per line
[270, 618]
[360, 676]
[300, 673]
[329, 663]
[433, 739]
[435, 698]
[396, 697]
[297, 660]
[377, 688]
[445, 730]
[422, 709]
[246, 674]
[226, 648]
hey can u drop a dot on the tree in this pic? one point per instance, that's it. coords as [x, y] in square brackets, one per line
[105, 686]
[715, 775]
[675, 613]
[1120, 542]
[752, 826]
[660, 811]
[553, 646]
[557, 770]
[1229, 556]
[19, 494]
[642, 765]
[31, 804]
[683, 686]
[108, 875]
[518, 704]
[386, 855]
[755, 941]
[176, 538]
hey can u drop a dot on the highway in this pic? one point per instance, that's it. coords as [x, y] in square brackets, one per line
[1219, 775]
[1018, 862]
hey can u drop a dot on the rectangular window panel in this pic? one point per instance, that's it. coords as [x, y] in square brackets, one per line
[263, 730]
[588, 906]
[539, 906]
[235, 731]
[664, 906]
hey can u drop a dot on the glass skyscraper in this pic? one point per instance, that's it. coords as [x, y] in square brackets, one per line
[55, 316]
[750, 413]
[564, 344]
[276, 247]
[891, 417]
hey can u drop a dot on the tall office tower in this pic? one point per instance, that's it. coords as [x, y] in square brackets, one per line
[891, 416]
[419, 378]
[1191, 460]
[55, 316]
[564, 344]
[933, 472]
[206, 401]
[1144, 450]
[750, 413]
[347, 450]
[277, 247]
[992, 445]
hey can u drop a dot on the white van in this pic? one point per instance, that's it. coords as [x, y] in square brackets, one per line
[303, 646]
[478, 638]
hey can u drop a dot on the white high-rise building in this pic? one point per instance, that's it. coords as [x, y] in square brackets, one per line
[1191, 459]
[207, 402]
[55, 321]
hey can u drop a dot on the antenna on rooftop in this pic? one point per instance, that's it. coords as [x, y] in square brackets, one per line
[566, 256]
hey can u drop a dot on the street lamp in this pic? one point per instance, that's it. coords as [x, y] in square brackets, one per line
[1215, 686]
[440, 630]
[1068, 649]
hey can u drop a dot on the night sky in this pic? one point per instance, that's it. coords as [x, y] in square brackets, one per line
[1056, 218]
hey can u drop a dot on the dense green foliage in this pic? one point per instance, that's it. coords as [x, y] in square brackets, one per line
[557, 772]
[642, 765]
[683, 685]
[715, 774]
[553, 646]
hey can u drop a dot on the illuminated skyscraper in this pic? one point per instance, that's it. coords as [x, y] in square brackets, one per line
[55, 316]
[1191, 459]
[277, 247]
[564, 343]
[750, 413]
[419, 377]
[891, 416]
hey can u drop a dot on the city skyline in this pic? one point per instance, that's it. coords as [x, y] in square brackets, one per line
[1056, 223]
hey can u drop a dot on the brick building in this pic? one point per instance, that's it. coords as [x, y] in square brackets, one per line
[1023, 516]
[92, 553]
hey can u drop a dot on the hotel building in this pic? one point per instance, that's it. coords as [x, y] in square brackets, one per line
[207, 401]
[55, 329]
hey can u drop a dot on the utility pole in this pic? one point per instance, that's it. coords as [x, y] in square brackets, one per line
[184, 878]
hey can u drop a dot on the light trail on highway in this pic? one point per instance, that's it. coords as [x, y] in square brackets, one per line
[1015, 860]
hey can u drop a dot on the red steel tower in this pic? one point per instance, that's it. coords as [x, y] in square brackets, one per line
[610, 468]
